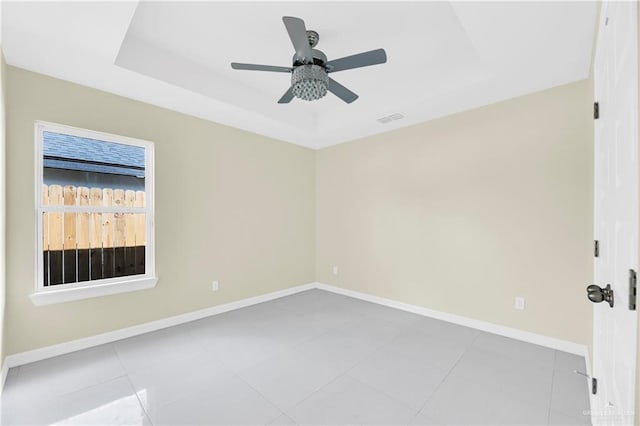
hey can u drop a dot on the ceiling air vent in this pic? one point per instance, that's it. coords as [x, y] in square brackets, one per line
[390, 118]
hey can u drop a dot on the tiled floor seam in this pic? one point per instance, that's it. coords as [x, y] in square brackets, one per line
[144, 409]
[404, 404]
[374, 352]
[113, 346]
[239, 377]
[448, 373]
[93, 385]
[553, 375]
[288, 414]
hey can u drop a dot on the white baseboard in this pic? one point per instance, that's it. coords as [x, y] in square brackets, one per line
[112, 336]
[514, 333]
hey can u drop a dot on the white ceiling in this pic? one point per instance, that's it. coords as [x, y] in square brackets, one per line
[443, 57]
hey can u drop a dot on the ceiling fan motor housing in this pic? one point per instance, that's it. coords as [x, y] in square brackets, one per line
[319, 58]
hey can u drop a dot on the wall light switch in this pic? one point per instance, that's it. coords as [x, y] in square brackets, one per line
[335, 270]
[215, 286]
[519, 304]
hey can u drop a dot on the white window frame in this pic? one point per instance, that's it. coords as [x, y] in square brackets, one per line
[102, 287]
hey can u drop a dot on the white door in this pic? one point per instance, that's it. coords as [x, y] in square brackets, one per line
[616, 211]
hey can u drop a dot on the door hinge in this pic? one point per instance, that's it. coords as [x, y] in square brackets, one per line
[594, 385]
[633, 281]
[596, 110]
[596, 248]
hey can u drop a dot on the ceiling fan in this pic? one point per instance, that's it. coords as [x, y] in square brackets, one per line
[310, 70]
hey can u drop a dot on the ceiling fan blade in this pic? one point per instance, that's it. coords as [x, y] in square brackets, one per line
[298, 35]
[342, 92]
[286, 98]
[256, 67]
[372, 57]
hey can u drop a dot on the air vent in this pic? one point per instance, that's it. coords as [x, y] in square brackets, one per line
[390, 118]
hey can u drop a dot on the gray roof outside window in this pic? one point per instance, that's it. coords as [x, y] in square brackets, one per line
[92, 155]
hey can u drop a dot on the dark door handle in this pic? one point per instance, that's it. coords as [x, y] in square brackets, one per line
[598, 294]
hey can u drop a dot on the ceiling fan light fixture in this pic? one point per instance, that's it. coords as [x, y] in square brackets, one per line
[309, 82]
[309, 72]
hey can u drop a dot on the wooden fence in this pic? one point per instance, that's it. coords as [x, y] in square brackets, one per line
[83, 246]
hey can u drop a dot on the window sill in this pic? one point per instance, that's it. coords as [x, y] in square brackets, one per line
[49, 297]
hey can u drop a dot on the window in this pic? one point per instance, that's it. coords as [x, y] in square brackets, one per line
[94, 201]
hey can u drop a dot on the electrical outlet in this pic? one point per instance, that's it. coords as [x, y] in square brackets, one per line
[335, 270]
[519, 303]
[215, 286]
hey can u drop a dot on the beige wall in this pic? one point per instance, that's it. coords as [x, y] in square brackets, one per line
[463, 213]
[230, 205]
[3, 91]
[442, 214]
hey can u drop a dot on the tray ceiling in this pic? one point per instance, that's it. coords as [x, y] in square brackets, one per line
[442, 57]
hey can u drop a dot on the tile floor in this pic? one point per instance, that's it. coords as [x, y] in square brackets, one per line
[311, 358]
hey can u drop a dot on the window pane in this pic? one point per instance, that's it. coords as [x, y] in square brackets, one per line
[91, 174]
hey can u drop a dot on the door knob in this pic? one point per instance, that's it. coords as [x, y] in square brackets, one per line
[598, 294]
